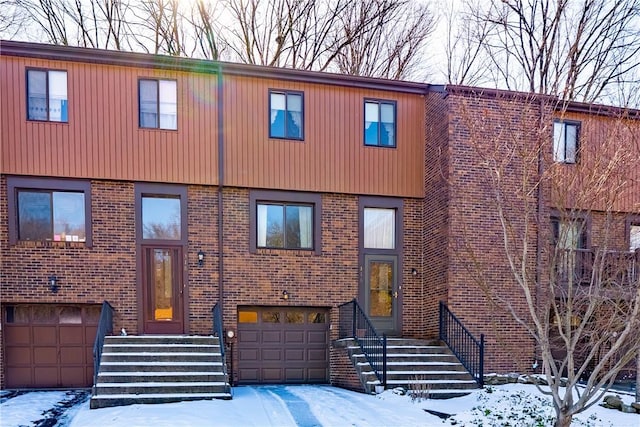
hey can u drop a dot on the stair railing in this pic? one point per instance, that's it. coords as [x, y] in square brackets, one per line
[354, 323]
[468, 349]
[218, 331]
[105, 327]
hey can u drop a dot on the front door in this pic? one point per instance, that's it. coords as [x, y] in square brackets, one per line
[381, 292]
[162, 289]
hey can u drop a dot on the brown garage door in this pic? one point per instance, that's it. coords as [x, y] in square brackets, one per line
[49, 345]
[283, 345]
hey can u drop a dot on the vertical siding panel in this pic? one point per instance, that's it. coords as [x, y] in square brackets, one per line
[103, 138]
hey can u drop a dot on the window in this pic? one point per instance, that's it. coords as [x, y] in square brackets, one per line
[570, 259]
[565, 141]
[49, 210]
[285, 226]
[284, 220]
[634, 237]
[158, 104]
[47, 95]
[569, 233]
[633, 232]
[380, 123]
[161, 212]
[379, 228]
[285, 115]
[161, 217]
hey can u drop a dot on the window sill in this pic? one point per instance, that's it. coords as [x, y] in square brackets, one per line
[288, 252]
[50, 244]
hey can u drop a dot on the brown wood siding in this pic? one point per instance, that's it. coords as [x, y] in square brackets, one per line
[332, 157]
[601, 138]
[102, 138]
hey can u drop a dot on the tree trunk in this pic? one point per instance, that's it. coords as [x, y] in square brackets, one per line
[563, 420]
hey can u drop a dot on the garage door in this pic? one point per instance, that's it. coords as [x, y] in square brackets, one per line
[283, 345]
[49, 345]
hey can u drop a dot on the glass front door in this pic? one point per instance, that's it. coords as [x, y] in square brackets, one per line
[381, 291]
[162, 289]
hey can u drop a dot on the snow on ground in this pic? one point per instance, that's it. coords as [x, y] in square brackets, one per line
[513, 404]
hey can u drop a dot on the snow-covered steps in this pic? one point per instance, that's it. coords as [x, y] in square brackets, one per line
[428, 368]
[159, 369]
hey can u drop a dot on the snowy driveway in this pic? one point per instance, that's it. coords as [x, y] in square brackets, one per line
[283, 406]
[280, 406]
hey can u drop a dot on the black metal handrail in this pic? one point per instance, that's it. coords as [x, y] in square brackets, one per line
[218, 331]
[354, 323]
[105, 327]
[468, 349]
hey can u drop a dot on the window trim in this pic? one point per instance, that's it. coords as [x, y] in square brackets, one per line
[161, 190]
[578, 126]
[286, 92]
[278, 197]
[26, 83]
[631, 220]
[15, 184]
[158, 80]
[380, 102]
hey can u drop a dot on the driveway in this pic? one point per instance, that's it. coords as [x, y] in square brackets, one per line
[276, 405]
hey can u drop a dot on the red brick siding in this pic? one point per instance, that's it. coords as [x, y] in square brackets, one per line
[482, 132]
[107, 271]
[343, 373]
[435, 230]
[203, 289]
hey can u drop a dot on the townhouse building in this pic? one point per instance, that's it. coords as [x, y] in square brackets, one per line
[165, 186]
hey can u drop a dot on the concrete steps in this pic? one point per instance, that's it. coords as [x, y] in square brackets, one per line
[421, 367]
[159, 369]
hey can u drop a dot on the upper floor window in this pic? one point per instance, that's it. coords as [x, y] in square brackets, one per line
[47, 95]
[565, 141]
[49, 210]
[285, 220]
[158, 100]
[285, 115]
[380, 123]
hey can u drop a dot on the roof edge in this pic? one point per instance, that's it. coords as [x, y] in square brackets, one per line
[559, 104]
[147, 60]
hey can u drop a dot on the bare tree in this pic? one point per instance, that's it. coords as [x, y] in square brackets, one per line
[464, 47]
[390, 45]
[577, 50]
[579, 302]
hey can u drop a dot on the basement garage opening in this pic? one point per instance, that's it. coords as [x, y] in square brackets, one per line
[283, 345]
[49, 345]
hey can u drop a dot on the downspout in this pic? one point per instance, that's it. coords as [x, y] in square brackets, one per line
[220, 187]
[539, 240]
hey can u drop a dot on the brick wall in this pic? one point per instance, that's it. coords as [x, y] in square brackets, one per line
[435, 229]
[491, 152]
[108, 270]
[203, 289]
[324, 280]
